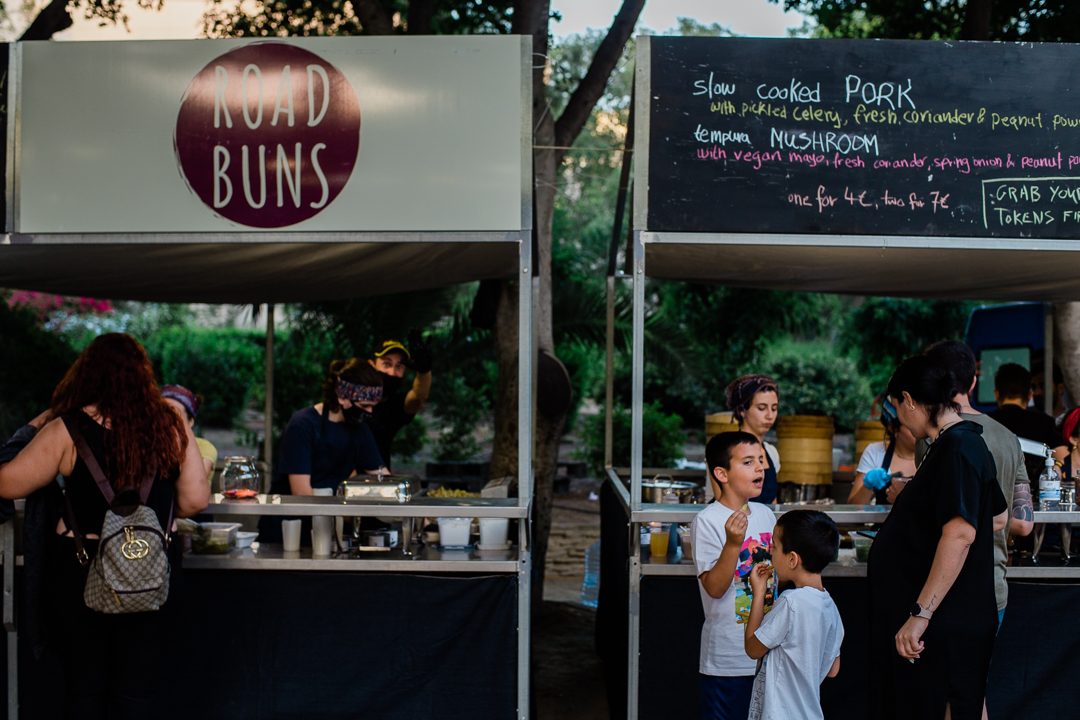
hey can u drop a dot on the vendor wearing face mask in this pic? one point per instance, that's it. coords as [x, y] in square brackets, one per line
[398, 408]
[331, 441]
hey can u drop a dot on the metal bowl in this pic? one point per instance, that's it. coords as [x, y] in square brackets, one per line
[653, 491]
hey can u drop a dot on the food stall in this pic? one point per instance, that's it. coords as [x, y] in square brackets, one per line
[888, 168]
[290, 170]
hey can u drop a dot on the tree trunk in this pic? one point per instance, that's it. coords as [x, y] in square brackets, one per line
[1067, 346]
[977, 20]
[52, 19]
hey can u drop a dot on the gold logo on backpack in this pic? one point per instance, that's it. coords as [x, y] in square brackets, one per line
[134, 548]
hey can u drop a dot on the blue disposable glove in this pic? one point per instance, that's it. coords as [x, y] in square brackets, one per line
[876, 478]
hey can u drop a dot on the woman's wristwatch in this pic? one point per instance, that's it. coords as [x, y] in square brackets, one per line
[919, 611]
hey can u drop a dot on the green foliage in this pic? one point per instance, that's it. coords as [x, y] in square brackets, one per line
[32, 361]
[662, 438]
[886, 330]
[460, 410]
[409, 441]
[222, 365]
[815, 380]
[264, 18]
[1027, 20]
[301, 360]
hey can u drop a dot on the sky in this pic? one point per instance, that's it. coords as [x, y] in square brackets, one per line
[180, 18]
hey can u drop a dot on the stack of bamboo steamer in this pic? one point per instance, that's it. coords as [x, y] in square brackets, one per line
[716, 423]
[805, 446]
[867, 432]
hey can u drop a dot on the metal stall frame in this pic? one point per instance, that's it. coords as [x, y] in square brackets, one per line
[862, 251]
[291, 245]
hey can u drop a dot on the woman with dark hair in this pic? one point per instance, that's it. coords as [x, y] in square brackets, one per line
[754, 401]
[113, 664]
[933, 614]
[330, 441]
[896, 454]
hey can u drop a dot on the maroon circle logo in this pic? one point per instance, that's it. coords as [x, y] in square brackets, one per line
[267, 134]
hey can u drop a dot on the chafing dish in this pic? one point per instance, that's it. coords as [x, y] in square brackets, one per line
[385, 487]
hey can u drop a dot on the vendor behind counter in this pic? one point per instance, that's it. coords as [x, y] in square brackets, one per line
[330, 441]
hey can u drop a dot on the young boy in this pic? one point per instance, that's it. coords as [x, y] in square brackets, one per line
[800, 639]
[729, 537]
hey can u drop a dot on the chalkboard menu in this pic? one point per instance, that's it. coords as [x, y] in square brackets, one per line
[871, 137]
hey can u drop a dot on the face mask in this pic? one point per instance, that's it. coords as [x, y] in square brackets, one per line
[390, 385]
[355, 415]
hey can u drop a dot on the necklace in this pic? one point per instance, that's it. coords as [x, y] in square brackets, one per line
[897, 455]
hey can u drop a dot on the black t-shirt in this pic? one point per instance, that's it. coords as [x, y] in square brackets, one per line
[387, 419]
[327, 451]
[1032, 425]
[1027, 423]
[957, 478]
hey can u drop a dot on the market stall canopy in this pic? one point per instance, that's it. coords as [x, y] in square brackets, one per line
[268, 171]
[871, 266]
[250, 272]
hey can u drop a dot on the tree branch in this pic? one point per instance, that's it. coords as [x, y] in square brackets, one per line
[374, 18]
[420, 15]
[52, 19]
[977, 20]
[592, 86]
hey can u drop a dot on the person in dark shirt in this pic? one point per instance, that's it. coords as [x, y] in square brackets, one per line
[331, 441]
[391, 358]
[1012, 391]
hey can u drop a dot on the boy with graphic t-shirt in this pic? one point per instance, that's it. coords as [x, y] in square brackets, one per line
[800, 639]
[729, 538]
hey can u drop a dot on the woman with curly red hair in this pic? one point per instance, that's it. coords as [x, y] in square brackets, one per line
[113, 663]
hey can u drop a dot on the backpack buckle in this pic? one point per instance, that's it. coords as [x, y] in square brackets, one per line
[82, 557]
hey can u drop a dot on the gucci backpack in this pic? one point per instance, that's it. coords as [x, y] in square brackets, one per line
[130, 572]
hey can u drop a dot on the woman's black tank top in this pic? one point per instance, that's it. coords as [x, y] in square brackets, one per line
[88, 503]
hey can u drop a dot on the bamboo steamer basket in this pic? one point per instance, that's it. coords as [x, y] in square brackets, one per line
[716, 423]
[805, 446]
[867, 432]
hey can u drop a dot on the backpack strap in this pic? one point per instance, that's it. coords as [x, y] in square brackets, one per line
[90, 459]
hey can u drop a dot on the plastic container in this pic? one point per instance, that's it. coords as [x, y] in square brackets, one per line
[245, 538]
[215, 537]
[590, 584]
[862, 548]
[454, 531]
[494, 532]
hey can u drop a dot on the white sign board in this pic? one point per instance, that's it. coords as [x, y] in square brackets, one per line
[293, 135]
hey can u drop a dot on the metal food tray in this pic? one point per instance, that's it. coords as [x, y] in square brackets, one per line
[387, 487]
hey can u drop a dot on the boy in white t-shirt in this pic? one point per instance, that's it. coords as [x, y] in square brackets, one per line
[729, 538]
[800, 639]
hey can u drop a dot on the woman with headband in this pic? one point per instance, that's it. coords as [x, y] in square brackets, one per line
[754, 401]
[881, 461]
[328, 442]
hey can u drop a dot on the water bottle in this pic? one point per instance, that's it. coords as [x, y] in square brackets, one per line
[1050, 487]
[590, 585]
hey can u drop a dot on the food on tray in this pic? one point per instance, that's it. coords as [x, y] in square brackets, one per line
[445, 492]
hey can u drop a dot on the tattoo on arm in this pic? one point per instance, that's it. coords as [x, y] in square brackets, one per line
[933, 603]
[1022, 508]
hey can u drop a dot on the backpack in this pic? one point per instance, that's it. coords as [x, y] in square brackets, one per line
[130, 572]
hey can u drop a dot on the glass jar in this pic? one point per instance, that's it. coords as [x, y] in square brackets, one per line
[240, 479]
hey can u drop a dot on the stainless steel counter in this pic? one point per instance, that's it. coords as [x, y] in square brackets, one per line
[304, 505]
[427, 559]
[846, 566]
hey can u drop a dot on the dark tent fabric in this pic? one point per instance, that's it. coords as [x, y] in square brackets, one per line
[869, 266]
[253, 269]
[329, 646]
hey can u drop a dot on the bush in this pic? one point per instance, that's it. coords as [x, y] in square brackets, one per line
[222, 365]
[662, 438]
[301, 360]
[814, 380]
[460, 410]
[32, 361]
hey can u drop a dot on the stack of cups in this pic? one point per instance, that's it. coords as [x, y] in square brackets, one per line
[322, 528]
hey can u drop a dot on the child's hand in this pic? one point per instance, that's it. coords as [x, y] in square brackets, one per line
[735, 529]
[759, 577]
